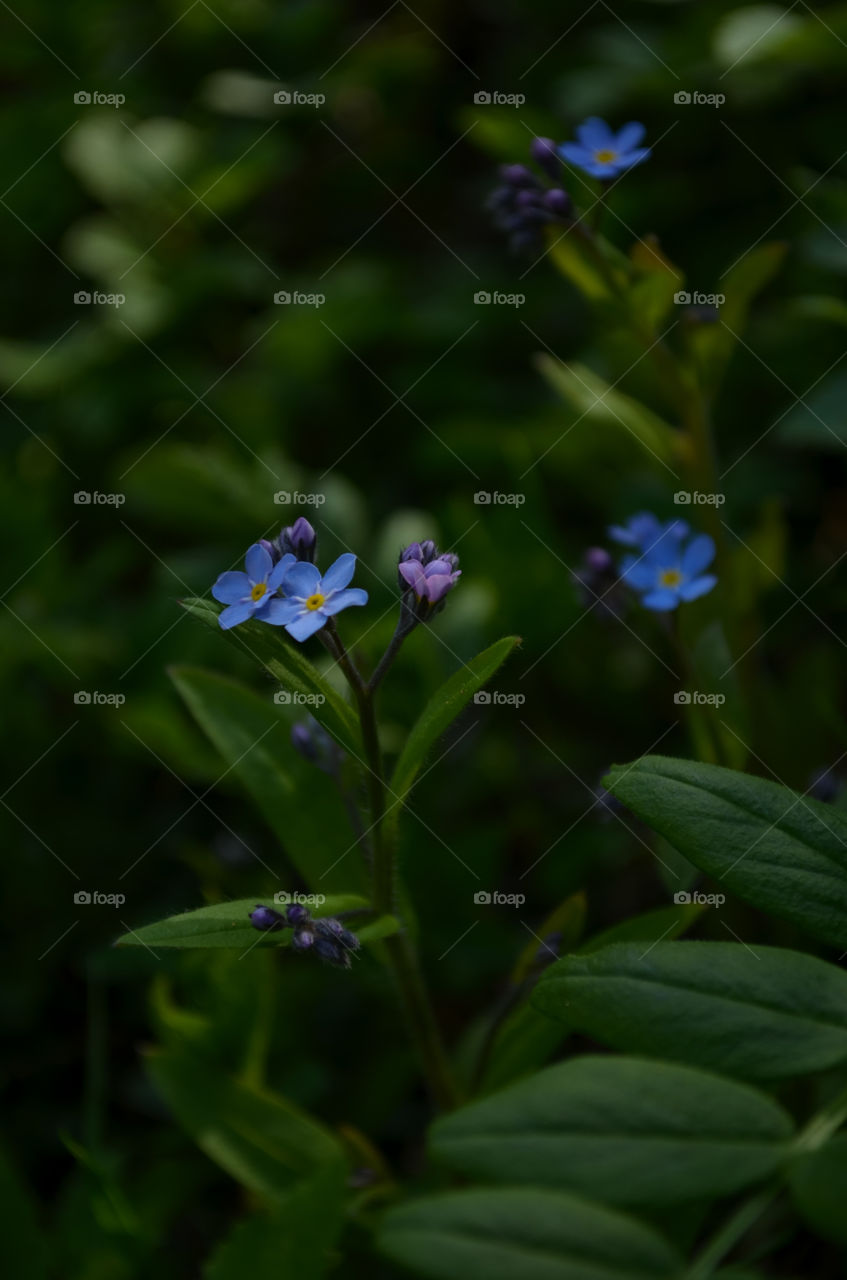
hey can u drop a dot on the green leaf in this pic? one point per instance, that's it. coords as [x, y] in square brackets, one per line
[226, 924]
[759, 1015]
[440, 712]
[528, 1038]
[597, 403]
[818, 1182]
[714, 343]
[622, 1130]
[301, 1228]
[531, 1234]
[284, 660]
[819, 420]
[260, 1139]
[253, 736]
[770, 846]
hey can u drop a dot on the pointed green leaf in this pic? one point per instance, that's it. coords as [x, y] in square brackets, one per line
[226, 924]
[622, 1130]
[254, 738]
[272, 648]
[440, 712]
[781, 851]
[759, 1014]
[517, 1234]
[263, 1141]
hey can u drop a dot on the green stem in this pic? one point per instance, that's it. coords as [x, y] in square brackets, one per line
[729, 1235]
[401, 954]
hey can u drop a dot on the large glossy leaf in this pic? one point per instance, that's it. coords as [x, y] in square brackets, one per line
[259, 1138]
[518, 1234]
[623, 1130]
[771, 846]
[226, 924]
[253, 738]
[440, 712]
[762, 1014]
[527, 1038]
[284, 659]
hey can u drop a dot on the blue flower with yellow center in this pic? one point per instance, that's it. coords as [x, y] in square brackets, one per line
[601, 152]
[670, 571]
[311, 600]
[250, 594]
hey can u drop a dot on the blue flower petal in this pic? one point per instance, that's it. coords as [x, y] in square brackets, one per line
[629, 136]
[231, 586]
[638, 572]
[235, 613]
[698, 587]
[697, 556]
[343, 599]
[661, 600]
[258, 563]
[339, 574]
[307, 624]
[279, 570]
[302, 579]
[279, 612]
[595, 135]
[575, 154]
[632, 158]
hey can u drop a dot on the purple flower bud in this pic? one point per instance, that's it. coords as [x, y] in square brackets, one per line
[302, 939]
[334, 929]
[303, 742]
[296, 913]
[558, 202]
[517, 175]
[824, 786]
[272, 551]
[414, 551]
[266, 919]
[543, 152]
[598, 560]
[300, 539]
[333, 953]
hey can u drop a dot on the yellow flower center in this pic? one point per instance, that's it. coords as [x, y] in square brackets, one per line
[670, 578]
[605, 157]
[314, 602]
[258, 591]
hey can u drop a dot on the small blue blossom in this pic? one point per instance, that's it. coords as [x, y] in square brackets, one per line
[250, 594]
[644, 529]
[670, 571]
[601, 152]
[311, 600]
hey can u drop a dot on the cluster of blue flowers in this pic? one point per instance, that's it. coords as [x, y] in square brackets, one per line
[665, 565]
[282, 585]
[523, 203]
[326, 938]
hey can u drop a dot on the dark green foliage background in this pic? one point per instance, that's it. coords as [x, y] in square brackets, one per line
[105, 400]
